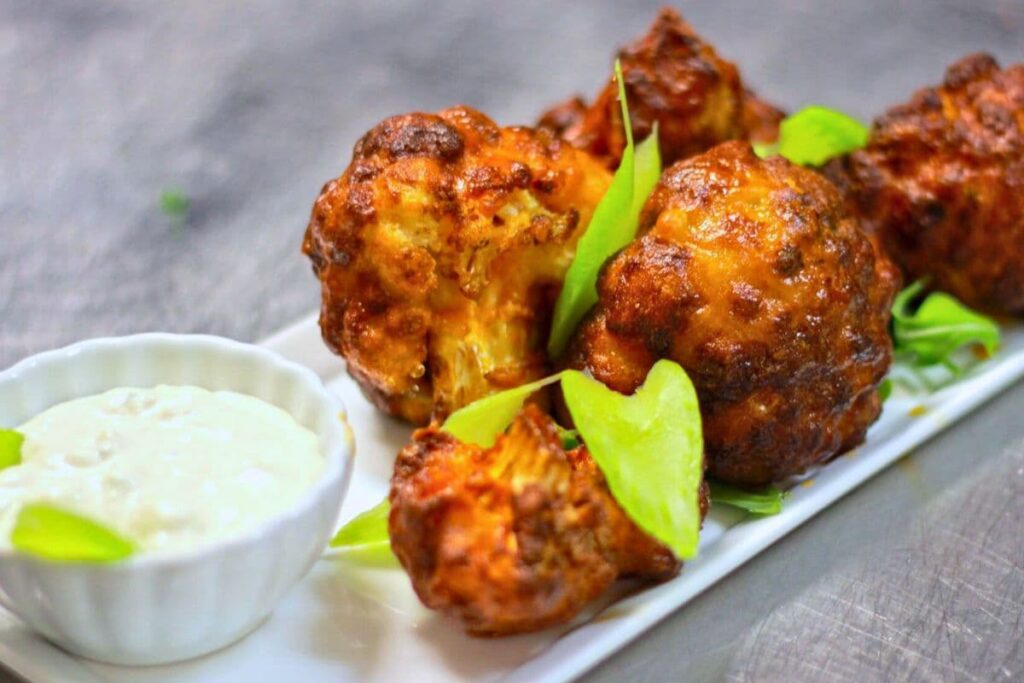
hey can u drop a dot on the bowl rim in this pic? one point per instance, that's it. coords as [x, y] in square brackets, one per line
[339, 463]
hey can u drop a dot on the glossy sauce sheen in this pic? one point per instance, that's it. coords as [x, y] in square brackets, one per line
[171, 468]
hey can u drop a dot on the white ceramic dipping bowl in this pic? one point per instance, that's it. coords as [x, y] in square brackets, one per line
[160, 609]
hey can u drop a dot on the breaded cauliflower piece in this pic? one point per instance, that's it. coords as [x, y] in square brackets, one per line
[674, 78]
[752, 276]
[516, 537]
[941, 184]
[441, 250]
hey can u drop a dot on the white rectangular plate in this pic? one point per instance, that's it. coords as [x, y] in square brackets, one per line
[343, 623]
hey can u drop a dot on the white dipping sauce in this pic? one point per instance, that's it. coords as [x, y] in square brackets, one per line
[171, 468]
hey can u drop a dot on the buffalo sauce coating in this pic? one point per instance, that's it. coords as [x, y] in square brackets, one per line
[941, 184]
[673, 79]
[752, 276]
[441, 250]
[515, 537]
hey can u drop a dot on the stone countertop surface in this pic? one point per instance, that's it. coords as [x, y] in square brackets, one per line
[246, 108]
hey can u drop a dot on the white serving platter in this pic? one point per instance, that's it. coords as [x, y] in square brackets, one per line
[345, 623]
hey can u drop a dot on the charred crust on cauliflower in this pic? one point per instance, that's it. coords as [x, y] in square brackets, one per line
[941, 184]
[440, 251]
[516, 537]
[677, 80]
[752, 276]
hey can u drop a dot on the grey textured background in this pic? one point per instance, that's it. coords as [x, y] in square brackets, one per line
[248, 107]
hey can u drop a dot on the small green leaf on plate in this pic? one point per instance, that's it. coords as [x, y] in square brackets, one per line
[612, 227]
[570, 437]
[815, 134]
[11, 442]
[365, 537]
[174, 203]
[762, 503]
[885, 389]
[940, 326]
[765, 150]
[482, 421]
[54, 533]
[175, 206]
[649, 447]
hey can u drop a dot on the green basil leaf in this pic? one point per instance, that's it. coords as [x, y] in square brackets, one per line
[482, 421]
[11, 442]
[649, 447]
[940, 326]
[815, 134]
[365, 537]
[54, 533]
[763, 503]
[611, 228]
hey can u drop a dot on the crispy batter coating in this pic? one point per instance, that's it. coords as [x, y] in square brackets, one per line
[941, 183]
[761, 119]
[517, 537]
[674, 78]
[441, 250]
[563, 116]
[753, 277]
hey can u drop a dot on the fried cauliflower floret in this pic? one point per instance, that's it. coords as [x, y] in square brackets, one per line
[761, 119]
[753, 277]
[941, 184]
[516, 537]
[674, 78]
[441, 250]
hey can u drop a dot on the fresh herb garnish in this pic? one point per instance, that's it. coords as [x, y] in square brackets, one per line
[365, 537]
[11, 442]
[646, 174]
[763, 503]
[765, 150]
[53, 533]
[649, 447]
[885, 389]
[612, 227]
[940, 326]
[175, 206]
[816, 134]
[482, 421]
[570, 437]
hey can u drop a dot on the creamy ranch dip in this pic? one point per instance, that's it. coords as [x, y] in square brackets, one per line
[171, 468]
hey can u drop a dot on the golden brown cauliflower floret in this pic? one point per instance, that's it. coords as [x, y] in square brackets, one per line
[440, 252]
[941, 183]
[761, 120]
[516, 537]
[753, 277]
[674, 78]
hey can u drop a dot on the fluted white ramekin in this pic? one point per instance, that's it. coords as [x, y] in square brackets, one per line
[160, 609]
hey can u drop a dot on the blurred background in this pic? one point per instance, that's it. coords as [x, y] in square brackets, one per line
[158, 161]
